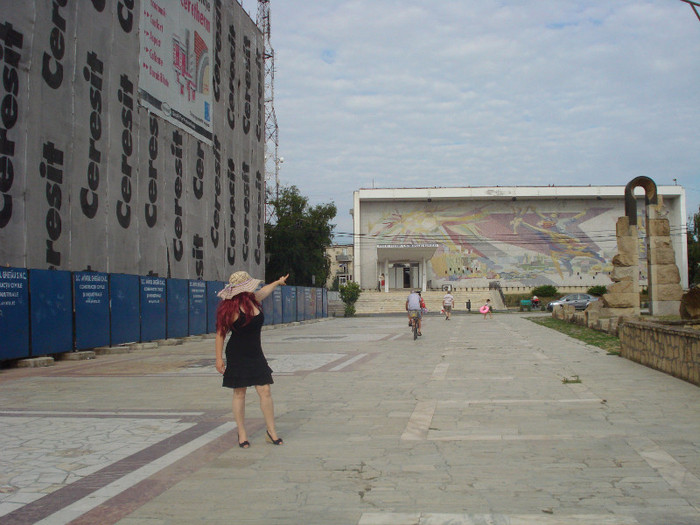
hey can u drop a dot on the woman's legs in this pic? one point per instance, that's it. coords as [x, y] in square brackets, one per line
[239, 413]
[268, 409]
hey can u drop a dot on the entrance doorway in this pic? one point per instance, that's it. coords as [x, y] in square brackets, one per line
[404, 275]
[407, 277]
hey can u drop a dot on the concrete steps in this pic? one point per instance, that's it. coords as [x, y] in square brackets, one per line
[393, 302]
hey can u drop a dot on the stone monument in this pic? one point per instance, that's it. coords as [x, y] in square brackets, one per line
[664, 278]
[622, 297]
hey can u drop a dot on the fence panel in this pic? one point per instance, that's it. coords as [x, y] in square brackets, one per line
[300, 303]
[268, 309]
[153, 308]
[213, 287]
[319, 303]
[289, 304]
[14, 313]
[198, 307]
[125, 324]
[311, 310]
[91, 293]
[178, 301]
[276, 306]
[308, 312]
[51, 312]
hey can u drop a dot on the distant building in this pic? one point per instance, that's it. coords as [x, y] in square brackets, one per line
[341, 256]
[520, 236]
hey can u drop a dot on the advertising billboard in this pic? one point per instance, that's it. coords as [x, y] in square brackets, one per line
[175, 60]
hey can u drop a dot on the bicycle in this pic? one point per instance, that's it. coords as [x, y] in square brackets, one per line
[414, 323]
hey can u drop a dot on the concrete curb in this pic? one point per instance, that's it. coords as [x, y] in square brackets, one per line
[81, 355]
[35, 362]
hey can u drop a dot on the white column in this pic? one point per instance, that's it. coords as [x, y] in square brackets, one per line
[357, 256]
[386, 275]
[424, 275]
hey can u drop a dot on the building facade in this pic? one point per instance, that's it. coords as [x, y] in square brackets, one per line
[519, 236]
[340, 257]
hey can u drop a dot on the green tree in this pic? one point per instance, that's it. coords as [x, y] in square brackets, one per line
[694, 249]
[296, 243]
[350, 293]
[335, 287]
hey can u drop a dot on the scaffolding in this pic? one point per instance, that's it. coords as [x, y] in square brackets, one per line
[272, 160]
[694, 5]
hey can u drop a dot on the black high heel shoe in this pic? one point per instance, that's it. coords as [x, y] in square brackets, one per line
[245, 444]
[271, 441]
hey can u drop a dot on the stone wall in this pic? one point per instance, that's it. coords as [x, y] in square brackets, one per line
[590, 317]
[671, 349]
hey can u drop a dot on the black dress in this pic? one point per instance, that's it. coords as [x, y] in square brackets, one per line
[245, 363]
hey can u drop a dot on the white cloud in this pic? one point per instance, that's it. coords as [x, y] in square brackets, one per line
[409, 93]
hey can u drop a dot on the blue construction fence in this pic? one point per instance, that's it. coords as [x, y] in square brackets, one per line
[45, 312]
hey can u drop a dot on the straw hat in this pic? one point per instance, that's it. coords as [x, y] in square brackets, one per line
[237, 283]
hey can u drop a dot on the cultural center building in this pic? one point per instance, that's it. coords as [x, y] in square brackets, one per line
[470, 237]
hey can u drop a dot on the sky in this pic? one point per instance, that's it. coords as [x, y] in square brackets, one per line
[416, 93]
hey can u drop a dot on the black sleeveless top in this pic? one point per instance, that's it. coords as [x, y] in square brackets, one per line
[245, 362]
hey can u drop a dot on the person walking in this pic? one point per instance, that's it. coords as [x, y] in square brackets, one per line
[447, 303]
[240, 312]
[486, 309]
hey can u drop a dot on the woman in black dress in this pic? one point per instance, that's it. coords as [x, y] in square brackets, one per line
[240, 312]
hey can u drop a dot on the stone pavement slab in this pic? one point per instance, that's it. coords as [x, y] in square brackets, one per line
[470, 424]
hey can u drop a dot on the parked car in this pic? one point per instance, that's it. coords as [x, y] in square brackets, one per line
[579, 300]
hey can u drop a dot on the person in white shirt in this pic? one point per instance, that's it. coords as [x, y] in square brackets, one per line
[447, 303]
[413, 307]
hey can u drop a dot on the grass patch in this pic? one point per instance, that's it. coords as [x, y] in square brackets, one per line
[572, 379]
[607, 342]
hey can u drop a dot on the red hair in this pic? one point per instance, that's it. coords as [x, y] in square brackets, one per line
[229, 310]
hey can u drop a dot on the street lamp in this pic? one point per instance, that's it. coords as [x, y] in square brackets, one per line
[278, 162]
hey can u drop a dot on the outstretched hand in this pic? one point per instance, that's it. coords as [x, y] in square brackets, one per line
[283, 280]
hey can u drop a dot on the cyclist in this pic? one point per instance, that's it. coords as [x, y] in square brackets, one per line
[413, 307]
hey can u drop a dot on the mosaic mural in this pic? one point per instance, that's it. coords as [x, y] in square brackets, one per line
[552, 242]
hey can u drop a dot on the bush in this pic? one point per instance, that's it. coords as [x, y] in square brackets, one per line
[546, 290]
[513, 300]
[350, 293]
[598, 290]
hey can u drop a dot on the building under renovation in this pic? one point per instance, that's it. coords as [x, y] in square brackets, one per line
[467, 238]
[133, 138]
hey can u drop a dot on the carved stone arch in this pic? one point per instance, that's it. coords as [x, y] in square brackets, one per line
[650, 196]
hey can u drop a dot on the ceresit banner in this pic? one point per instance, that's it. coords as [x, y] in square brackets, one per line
[16, 38]
[175, 60]
[93, 175]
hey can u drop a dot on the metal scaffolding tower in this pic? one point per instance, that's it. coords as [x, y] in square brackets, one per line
[272, 160]
[694, 5]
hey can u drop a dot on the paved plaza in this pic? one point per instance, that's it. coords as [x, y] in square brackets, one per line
[477, 422]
